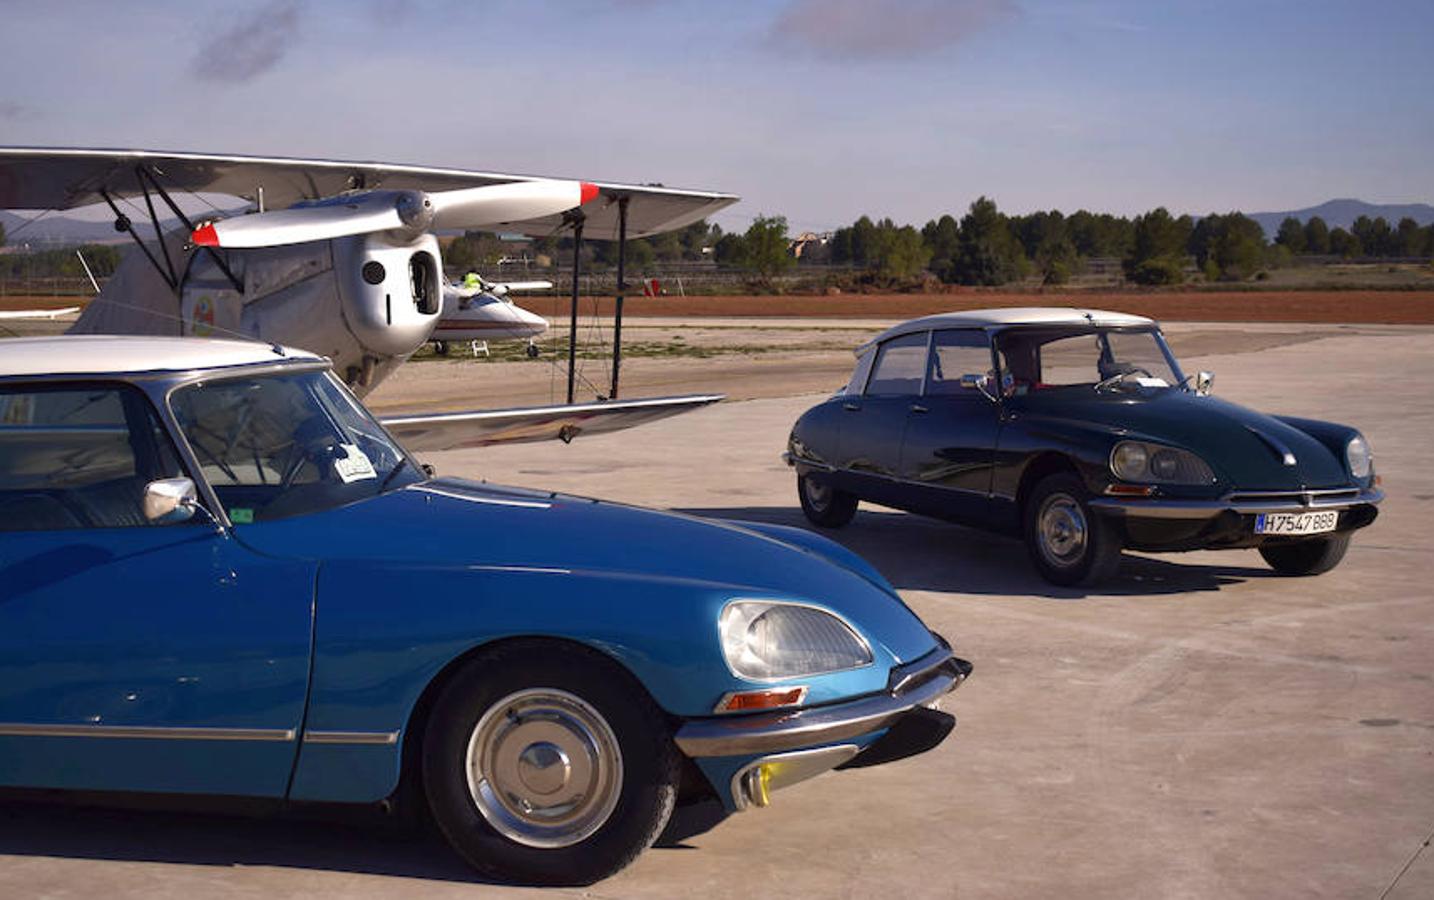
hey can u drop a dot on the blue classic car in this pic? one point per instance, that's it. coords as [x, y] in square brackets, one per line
[220, 576]
[1078, 431]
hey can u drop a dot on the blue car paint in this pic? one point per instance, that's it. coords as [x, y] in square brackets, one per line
[170, 627]
[338, 621]
[415, 578]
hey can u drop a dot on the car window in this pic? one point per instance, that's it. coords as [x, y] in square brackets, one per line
[79, 457]
[899, 364]
[279, 445]
[1040, 359]
[954, 354]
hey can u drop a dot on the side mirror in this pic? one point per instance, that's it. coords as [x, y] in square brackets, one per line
[1204, 383]
[977, 383]
[170, 500]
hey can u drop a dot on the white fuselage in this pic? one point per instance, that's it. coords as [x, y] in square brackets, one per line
[485, 317]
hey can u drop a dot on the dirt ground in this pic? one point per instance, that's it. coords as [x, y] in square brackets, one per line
[1386, 307]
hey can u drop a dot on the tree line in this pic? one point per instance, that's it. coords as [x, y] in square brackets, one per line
[984, 247]
[988, 247]
[103, 259]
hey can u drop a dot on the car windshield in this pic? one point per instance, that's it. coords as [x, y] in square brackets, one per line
[1102, 359]
[274, 446]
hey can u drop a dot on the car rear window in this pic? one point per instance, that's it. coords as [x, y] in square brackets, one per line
[78, 457]
[899, 365]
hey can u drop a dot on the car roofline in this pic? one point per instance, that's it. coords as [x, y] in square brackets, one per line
[993, 323]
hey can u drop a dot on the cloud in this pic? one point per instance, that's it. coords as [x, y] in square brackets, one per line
[860, 29]
[251, 46]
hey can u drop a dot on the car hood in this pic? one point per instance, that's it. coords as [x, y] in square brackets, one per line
[462, 524]
[1245, 448]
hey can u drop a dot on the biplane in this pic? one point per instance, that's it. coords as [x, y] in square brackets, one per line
[340, 258]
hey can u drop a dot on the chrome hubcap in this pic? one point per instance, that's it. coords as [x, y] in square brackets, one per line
[818, 495]
[544, 768]
[1061, 530]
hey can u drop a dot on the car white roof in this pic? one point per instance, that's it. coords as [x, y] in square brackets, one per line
[1014, 316]
[100, 354]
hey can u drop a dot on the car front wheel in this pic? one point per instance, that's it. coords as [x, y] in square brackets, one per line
[548, 764]
[823, 504]
[1312, 557]
[1067, 541]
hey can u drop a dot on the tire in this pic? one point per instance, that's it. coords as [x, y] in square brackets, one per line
[532, 351]
[539, 721]
[1068, 542]
[1312, 557]
[440, 347]
[823, 504]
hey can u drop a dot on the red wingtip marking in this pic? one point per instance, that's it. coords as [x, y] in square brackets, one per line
[590, 192]
[204, 236]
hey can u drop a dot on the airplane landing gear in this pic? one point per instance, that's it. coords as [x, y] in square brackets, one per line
[440, 347]
[532, 350]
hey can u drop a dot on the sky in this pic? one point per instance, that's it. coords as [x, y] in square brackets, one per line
[819, 110]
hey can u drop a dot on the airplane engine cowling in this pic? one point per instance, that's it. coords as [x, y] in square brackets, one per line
[391, 290]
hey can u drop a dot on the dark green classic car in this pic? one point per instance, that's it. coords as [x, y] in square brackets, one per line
[1077, 431]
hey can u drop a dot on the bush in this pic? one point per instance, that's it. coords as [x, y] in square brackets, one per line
[1159, 270]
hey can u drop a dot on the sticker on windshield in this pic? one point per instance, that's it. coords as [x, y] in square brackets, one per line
[353, 465]
[241, 515]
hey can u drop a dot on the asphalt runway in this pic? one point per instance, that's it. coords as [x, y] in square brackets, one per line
[1197, 728]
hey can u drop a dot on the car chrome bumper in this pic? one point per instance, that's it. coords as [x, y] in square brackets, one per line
[1244, 504]
[916, 684]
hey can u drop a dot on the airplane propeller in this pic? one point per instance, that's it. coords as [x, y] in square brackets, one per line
[416, 211]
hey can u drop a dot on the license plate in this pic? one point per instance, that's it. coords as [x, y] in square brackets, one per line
[1297, 523]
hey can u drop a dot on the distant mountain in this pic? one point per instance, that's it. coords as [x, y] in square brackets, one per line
[60, 230]
[56, 230]
[1342, 213]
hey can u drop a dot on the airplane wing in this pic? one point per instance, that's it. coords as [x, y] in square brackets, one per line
[55, 178]
[455, 430]
[37, 313]
[512, 286]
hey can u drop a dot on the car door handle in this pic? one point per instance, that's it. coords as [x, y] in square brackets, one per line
[918, 408]
[851, 407]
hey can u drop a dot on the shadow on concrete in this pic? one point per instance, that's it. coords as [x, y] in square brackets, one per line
[355, 843]
[358, 841]
[921, 554]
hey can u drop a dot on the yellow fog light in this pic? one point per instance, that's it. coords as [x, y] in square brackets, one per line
[759, 785]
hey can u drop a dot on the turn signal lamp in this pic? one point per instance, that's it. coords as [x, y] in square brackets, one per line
[767, 698]
[1130, 490]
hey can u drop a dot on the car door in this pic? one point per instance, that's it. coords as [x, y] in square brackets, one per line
[869, 452]
[950, 436]
[134, 656]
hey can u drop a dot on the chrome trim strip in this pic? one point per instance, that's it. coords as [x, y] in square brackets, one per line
[426, 488]
[1208, 509]
[366, 738]
[904, 677]
[775, 732]
[12, 729]
[792, 460]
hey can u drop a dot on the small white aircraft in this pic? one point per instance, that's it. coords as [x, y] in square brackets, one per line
[37, 313]
[350, 269]
[479, 311]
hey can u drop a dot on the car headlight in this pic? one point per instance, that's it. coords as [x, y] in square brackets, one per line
[769, 639]
[1356, 453]
[1141, 461]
